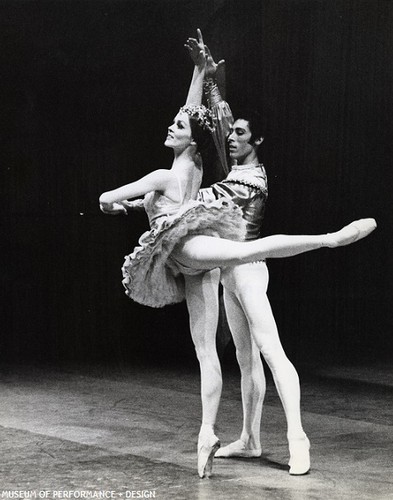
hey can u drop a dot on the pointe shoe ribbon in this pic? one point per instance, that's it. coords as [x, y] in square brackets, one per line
[299, 461]
[238, 449]
[207, 447]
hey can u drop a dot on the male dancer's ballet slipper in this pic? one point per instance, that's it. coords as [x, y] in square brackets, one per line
[238, 449]
[207, 447]
[299, 461]
[354, 231]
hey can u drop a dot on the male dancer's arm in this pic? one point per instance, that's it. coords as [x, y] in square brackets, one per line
[222, 115]
[222, 118]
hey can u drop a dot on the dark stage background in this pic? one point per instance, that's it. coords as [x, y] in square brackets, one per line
[88, 89]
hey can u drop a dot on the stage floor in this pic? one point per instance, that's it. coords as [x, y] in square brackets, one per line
[74, 431]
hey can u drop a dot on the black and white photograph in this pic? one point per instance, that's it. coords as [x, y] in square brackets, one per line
[197, 266]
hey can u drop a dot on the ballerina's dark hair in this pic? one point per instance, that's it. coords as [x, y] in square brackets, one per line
[202, 126]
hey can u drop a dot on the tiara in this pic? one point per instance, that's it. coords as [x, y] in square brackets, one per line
[201, 114]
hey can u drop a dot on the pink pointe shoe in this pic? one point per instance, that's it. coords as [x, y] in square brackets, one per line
[351, 233]
[207, 447]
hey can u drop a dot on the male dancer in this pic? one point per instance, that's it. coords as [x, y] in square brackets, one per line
[247, 307]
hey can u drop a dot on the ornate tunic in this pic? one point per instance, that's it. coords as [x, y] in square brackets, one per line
[246, 186]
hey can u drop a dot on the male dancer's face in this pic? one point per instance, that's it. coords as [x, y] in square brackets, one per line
[239, 146]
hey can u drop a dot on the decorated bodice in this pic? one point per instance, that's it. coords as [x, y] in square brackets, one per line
[158, 205]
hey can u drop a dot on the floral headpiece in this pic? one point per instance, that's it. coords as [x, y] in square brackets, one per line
[201, 114]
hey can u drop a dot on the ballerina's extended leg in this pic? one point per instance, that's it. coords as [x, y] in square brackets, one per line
[207, 252]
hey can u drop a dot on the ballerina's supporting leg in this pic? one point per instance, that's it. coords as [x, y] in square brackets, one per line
[207, 252]
[202, 304]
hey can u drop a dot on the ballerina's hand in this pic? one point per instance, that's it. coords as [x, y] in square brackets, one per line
[196, 49]
[113, 208]
[134, 205]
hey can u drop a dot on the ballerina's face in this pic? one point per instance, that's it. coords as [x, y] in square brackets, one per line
[179, 133]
